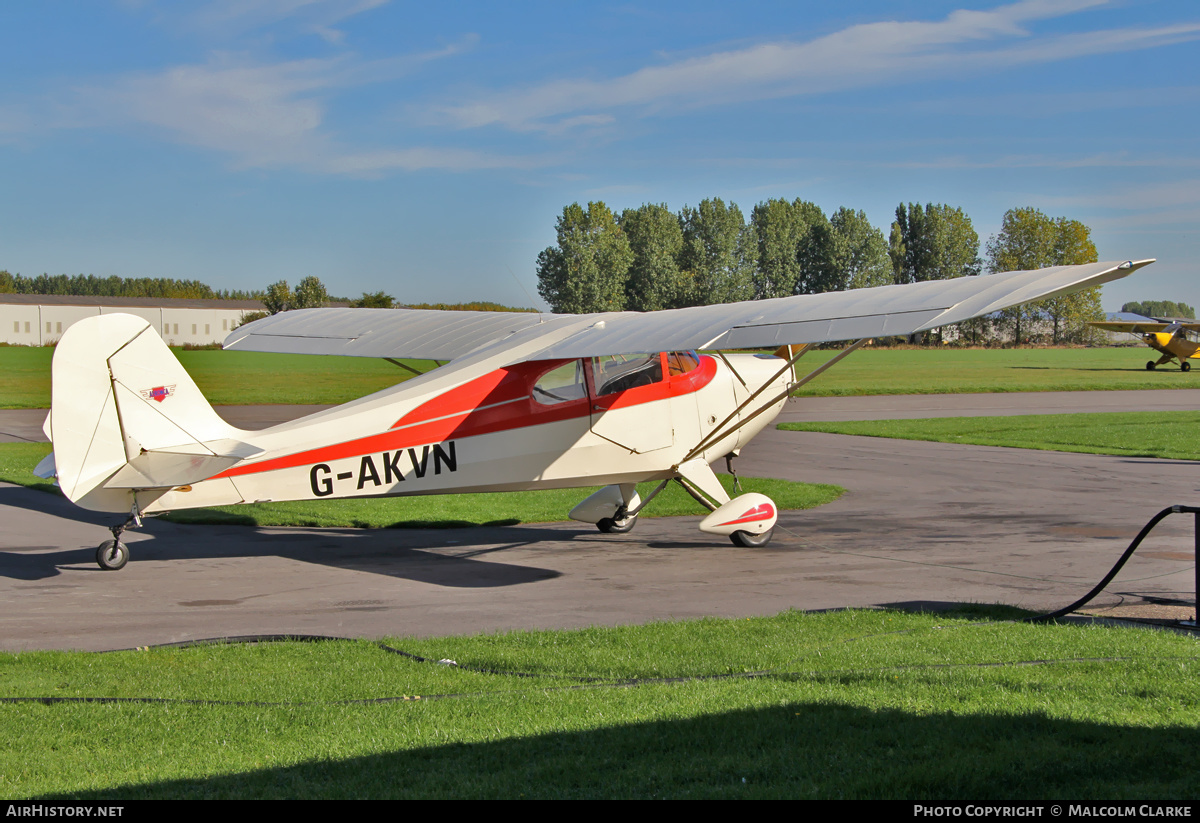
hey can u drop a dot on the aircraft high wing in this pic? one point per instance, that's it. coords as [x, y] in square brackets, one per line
[524, 401]
[809, 318]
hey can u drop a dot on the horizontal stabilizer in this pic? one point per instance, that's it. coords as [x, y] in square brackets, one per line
[46, 468]
[164, 470]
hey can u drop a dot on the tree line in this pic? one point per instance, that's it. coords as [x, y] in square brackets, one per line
[1161, 308]
[650, 258]
[114, 286]
[383, 300]
[310, 292]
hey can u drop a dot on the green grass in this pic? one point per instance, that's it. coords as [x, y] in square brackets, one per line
[17, 461]
[1169, 435]
[26, 371]
[955, 371]
[857, 704]
[226, 377]
[248, 378]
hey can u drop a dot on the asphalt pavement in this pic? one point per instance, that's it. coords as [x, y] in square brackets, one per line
[922, 525]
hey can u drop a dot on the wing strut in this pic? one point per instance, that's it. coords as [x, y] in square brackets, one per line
[720, 431]
[404, 366]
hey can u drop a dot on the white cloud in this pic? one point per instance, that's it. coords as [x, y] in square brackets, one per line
[1138, 196]
[1033, 161]
[262, 114]
[420, 158]
[861, 55]
[235, 17]
[267, 115]
[1032, 105]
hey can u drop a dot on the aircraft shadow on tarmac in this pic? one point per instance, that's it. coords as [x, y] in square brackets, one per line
[465, 564]
[457, 558]
[451, 557]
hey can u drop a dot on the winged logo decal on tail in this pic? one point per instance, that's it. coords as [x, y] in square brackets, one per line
[158, 393]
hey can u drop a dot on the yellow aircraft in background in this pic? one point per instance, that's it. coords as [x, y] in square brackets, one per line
[1171, 337]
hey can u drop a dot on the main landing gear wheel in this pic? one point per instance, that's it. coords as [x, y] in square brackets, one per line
[112, 555]
[610, 526]
[1149, 365]
[748, 540]
[1185, 366]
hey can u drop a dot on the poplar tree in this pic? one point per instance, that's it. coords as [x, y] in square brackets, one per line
[656, 239]
[586, 271]
[720, 252]
[860, 251]
[933, 242]
[778, 228]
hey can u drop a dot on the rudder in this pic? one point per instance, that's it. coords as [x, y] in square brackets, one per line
[126, 418]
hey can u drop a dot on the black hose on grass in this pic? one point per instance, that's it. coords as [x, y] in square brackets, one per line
[318, 638]
[1154, 521]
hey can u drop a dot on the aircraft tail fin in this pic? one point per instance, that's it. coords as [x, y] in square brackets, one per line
[126, 418]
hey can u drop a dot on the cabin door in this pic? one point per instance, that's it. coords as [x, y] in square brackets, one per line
[631, 401]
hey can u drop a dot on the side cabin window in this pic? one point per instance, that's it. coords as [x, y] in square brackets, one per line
[681, 362]
[621, 372]
[561, 385]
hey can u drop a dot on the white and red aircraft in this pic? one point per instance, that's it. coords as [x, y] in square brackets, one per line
[525, 401]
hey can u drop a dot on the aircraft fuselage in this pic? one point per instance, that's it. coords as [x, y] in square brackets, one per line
[539, 424]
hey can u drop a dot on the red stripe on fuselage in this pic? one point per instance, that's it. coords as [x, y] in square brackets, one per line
[498, 401]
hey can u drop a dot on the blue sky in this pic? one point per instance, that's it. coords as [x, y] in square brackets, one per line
[427, 150]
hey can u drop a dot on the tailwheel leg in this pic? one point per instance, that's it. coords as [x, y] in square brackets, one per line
[112, 555]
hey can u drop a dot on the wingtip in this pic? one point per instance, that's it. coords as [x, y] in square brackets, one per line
[1133, 265]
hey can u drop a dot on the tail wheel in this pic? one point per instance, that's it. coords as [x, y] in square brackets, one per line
[609, 525]
[747, 540]
[112, 555]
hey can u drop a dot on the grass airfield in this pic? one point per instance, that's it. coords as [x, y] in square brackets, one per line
[1165, 435]
[883, 704]
[852, 704]
[248, 378]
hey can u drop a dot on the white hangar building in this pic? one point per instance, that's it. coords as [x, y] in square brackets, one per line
[40, 319]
